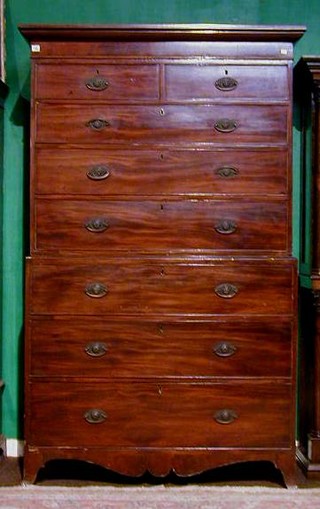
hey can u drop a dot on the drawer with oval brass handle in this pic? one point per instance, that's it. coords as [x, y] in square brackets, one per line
[225, 416]
[226, 227]
[182, 124]
[226, 290]
[97, 225]
[95, 416]
[96, 290]
[96, 349]
[224, 349]
[98, 172]
[97, 124]
[225, 125]
[97, 83]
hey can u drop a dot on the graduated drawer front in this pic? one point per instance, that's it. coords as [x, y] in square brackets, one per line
[160, 172]
[97, 82]
[152, 349]
[160, 414]
[152, 225]
[227, 81]
[123, 286]
[60, 123]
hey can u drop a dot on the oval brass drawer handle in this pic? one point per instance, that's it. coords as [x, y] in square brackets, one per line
[226, 84]
[227, 172]
[226, 227]
[224, 349]
[99, 172]
[97, 124]
[96, 349]
[225, 416]
[96, 290]
[225, 125]
[97, 225]
[97, 83]
[226, 290]
[95, 416]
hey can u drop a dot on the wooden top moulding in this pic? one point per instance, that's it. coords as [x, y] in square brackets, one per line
[191, 32]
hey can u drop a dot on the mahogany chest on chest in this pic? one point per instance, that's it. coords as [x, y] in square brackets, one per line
[161, 291]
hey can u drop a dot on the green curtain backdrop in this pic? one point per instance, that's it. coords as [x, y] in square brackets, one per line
[15, 175]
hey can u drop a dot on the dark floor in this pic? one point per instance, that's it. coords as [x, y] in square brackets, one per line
[76, 473]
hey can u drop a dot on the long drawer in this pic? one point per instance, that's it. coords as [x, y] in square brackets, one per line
[63, 123]
[160, 172]
[123, 286]
[160, 348]
[161, 414]
[100, 225]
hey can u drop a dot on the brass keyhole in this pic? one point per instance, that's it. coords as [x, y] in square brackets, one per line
[162, 112]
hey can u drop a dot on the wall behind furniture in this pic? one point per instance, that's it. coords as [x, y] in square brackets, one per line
[15, 178]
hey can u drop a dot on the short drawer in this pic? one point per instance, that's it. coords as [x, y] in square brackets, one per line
[124, 286]
[226, 82]
[160, 348]
[221, 225]
[161, 415]
[160, 172]
[96, 82]
[176, 124]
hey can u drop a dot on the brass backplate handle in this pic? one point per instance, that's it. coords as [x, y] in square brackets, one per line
[226, 84]
[95, 416]
[98, 172]
[227, 171]
[97, 83]
[96, 290]
[226, 290]
[97, 124]
[97, 225]
[96, 349]
[225, 416]
[224, 349]
[226, 227]
[225, 125]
